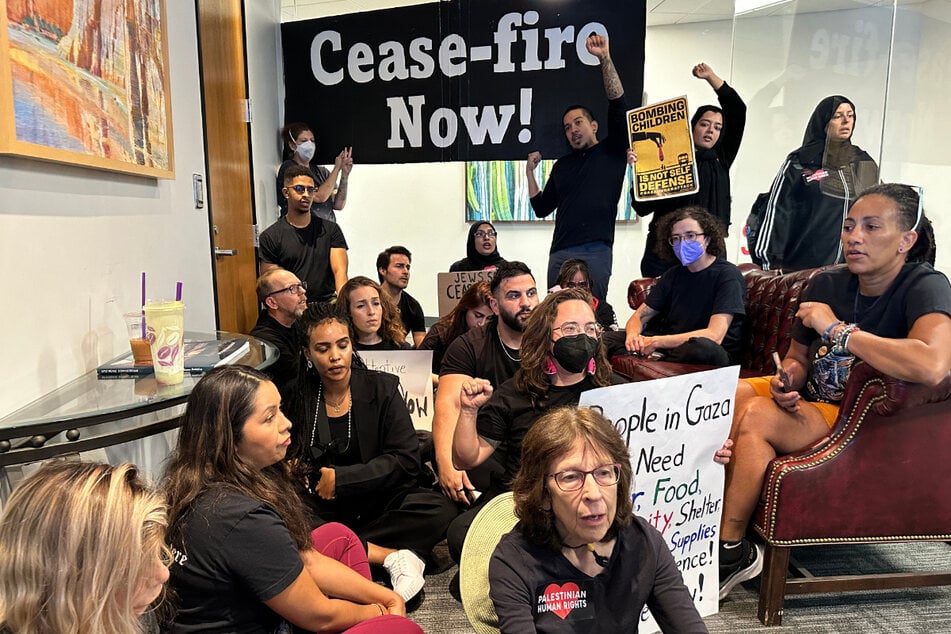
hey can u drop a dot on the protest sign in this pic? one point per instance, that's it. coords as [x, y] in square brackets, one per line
[414, 369]
[673, 427]
[451, 286]
[661, 136]
[457, 80]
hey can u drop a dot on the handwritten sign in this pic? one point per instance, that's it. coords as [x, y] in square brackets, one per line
[660, 134]
[451, 286]
[414, 369]
[673, 427]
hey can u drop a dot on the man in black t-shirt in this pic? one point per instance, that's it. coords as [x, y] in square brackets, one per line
[308, 246]
[284, 299]
[392, 267]
[491, 353]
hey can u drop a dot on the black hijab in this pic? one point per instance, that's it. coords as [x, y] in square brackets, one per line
[475, 261]
[816, 149]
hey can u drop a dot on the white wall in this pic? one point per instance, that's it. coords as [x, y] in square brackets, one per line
[778, 65]
[73, 242]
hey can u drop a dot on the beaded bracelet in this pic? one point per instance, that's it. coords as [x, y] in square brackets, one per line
[826, 336]
[841, 339]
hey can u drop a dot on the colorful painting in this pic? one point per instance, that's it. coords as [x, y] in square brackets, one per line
[497, 191]
[86, 82]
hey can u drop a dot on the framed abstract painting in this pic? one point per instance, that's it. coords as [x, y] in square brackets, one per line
[86, 82]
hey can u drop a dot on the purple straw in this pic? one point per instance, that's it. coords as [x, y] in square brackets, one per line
[143, 305]
[178, 291]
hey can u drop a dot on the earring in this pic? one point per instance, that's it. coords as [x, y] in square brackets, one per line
[310, 366]
[592, 368]
[550, 367]
[901, 249]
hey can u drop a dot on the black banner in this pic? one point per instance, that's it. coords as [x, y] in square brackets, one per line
[457, 80]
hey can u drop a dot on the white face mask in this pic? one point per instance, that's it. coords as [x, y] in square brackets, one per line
[306, 150]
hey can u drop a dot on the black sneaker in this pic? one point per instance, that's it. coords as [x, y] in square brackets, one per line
[747, 567]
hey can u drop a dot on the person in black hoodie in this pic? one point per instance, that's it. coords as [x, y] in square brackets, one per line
[717, 134]
[482, 251]
[811, 195]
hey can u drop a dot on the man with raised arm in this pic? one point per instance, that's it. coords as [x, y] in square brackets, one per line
[585, 185]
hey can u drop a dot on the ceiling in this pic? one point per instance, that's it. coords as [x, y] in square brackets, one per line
[659, 12]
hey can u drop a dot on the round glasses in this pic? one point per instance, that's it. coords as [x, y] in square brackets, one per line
[690, 236]
[571, 328]
[572, 480]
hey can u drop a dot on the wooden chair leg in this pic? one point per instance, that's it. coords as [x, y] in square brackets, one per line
[772, 589]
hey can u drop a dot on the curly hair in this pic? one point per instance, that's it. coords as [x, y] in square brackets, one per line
[530, 378]
[907, 205]
[391, 328]
[710, 226]
[552, 436]
[76, 541]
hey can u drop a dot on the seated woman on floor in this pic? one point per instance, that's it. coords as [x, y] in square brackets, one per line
[82, 549]
[887, 307]
[245, 559]
[481, 249]
[580, 530]
[374, 318]
[574, 273]
[694, 313]
[472, 311]
[357, 451]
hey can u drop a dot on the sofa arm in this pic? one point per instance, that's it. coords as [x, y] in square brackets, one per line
[882, 475]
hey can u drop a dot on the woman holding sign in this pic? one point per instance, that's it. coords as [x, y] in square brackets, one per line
[355, 450]
[717, 134]
[887, 307]
[579, 560]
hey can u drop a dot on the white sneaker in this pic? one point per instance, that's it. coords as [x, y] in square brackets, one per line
[406, 573]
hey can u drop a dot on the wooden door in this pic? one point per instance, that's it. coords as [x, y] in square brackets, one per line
[228, 156]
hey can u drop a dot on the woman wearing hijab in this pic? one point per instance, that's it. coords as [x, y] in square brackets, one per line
[813, 191]
[717, 133]
[482, 251]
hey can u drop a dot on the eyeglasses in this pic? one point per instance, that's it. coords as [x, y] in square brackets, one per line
[300, 189]
[485, 234]
[571, 328]
[576, 285]
[572, 480]
[293, 288]
[690, 236]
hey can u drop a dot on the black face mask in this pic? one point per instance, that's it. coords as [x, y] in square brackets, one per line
[574, 352]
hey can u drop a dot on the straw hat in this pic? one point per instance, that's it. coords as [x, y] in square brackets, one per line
[495, 519]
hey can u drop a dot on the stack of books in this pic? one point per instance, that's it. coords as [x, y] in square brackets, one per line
[200, 357]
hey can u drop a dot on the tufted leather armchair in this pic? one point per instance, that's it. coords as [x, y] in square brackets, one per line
[882, 475]
[772, 299]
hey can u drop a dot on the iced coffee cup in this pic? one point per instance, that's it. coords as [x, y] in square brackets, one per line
[141, 349]
[165, 330]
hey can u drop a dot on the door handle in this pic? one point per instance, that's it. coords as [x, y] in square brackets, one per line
[221, 252]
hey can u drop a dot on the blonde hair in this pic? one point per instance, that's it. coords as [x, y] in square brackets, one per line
[76, 542]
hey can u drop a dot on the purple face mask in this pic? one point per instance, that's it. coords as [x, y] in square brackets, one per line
[688, 251]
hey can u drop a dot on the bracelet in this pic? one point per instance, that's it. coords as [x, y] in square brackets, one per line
[826, 336]
[382, 611]
[840, 339]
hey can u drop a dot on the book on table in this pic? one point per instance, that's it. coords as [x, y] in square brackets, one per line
[200, 357]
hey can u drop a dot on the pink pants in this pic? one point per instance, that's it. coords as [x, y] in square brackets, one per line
[338, 542]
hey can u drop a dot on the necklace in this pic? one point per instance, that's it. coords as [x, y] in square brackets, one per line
[505, 351]
[331, 444]
[337, 406]
[601, 560]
